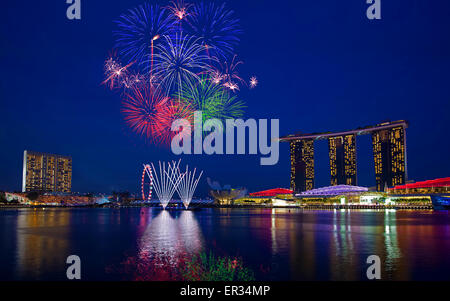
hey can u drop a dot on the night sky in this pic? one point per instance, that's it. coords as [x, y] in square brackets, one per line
[321, 65]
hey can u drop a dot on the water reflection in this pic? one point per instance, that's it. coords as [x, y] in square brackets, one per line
[169, 238]
[277, 244]
[342, 249]
[393, 252]
[42, 242]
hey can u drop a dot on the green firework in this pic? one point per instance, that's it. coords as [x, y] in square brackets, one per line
[212, 99]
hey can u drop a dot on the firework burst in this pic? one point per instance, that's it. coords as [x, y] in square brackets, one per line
[215, 26]
[174, 110]
[139, 28]
[116, 74]
[179, 9]
[229, 76]
[213, 100]
[169, 66]
[179, 62]
[253, 82]
[216, 77]
[145, 110]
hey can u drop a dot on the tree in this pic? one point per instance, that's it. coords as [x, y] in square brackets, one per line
[3, 198]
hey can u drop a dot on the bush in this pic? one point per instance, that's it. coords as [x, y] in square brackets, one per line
[184, 267]
[209, 268]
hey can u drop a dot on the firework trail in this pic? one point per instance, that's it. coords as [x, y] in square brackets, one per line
[231, 86]
[179, 61]
[139, 28]
[227, 75]
[133, 79]
[216, 27]
[116, 74]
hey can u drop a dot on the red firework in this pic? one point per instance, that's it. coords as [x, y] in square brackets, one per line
[150, 113]
[173, 111]
[179, 9]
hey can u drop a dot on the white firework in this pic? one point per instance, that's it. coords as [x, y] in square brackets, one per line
[179, 60]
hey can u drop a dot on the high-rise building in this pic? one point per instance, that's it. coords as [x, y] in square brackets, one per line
[342, 154]
[302, 165]
[46, 172]
[389, 155]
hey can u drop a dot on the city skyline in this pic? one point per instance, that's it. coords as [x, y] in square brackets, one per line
[304, 82]
[247, 146]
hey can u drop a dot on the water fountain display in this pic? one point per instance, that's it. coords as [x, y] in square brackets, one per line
[187, 185]
[166, 181]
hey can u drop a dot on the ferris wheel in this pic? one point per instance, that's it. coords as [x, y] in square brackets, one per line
[147, 183]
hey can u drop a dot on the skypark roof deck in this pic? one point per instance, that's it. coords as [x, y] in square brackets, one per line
[358, 131]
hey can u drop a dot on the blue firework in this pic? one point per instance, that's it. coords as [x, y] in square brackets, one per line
[139, 30]
[216, 28]
[179, 61]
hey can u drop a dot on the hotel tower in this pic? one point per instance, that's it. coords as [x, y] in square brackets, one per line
[46, 172]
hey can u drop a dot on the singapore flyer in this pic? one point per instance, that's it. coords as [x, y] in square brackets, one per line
[147, 183]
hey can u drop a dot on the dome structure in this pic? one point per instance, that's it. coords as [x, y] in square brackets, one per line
[335, 190]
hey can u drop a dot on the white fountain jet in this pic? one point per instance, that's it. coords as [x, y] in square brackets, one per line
[166, 181]
[187, 185]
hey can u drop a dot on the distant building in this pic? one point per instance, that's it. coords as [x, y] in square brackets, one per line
[436, 186]
[224, 195]
[271, 192]
[342, 154]
[335, 190]
[46, 172]
[389, 155]
[302, 164]
[17, 197]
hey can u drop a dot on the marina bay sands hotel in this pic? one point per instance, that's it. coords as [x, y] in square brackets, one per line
[389, 155]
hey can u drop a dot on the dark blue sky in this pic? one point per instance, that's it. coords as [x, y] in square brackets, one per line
[322, 66]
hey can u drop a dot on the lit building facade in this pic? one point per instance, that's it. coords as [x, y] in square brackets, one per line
[389, 155]
[46, 172]
[302, 165]
[342, 155]
[436, 186]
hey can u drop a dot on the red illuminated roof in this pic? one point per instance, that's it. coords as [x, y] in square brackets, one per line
[272, 192]
[443, 182]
